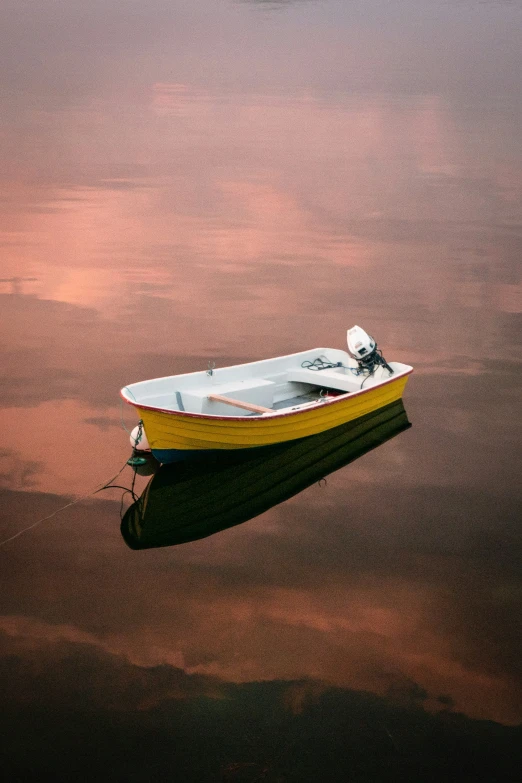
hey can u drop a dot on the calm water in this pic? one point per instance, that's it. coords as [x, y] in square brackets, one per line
[216, 180]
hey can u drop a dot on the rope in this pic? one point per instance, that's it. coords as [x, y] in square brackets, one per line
[323, 363]
[107, 485]
[121, 416]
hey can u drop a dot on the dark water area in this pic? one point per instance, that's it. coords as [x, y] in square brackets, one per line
[184, 182]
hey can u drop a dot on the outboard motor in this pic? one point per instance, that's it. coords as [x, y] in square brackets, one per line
[364, 349]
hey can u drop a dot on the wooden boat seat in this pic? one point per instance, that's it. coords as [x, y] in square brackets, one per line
[255, 394]
[330, 379]
[247, 406]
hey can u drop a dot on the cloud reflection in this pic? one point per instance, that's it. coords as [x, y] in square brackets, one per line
[361, 586]
[99, 703]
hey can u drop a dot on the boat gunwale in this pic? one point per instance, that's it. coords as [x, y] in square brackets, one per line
[280, 414]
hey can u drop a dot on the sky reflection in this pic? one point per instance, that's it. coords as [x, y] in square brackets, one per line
[191, 181]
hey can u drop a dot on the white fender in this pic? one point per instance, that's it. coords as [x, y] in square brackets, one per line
[142, 444]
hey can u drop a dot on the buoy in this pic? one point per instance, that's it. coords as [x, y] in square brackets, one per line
[138, 439]
[140, 447]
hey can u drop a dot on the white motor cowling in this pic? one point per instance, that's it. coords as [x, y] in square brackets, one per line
[138, 439]
[360, 344]
[364, 350]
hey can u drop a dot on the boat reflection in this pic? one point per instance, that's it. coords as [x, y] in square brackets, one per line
[188, 500]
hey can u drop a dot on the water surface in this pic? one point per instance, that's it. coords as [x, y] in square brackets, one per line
[184, 182]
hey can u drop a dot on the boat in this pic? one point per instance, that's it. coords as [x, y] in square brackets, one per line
[194, 499]
[264, 402]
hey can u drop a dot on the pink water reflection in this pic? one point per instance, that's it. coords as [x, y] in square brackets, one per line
[147, 228]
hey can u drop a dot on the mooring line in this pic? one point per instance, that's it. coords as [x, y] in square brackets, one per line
[98, 488]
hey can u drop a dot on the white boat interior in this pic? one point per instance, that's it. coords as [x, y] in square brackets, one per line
[270, 386]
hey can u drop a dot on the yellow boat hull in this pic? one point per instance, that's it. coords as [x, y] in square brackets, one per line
[180, 431]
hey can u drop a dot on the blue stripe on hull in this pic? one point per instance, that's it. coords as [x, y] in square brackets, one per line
[166, 456]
